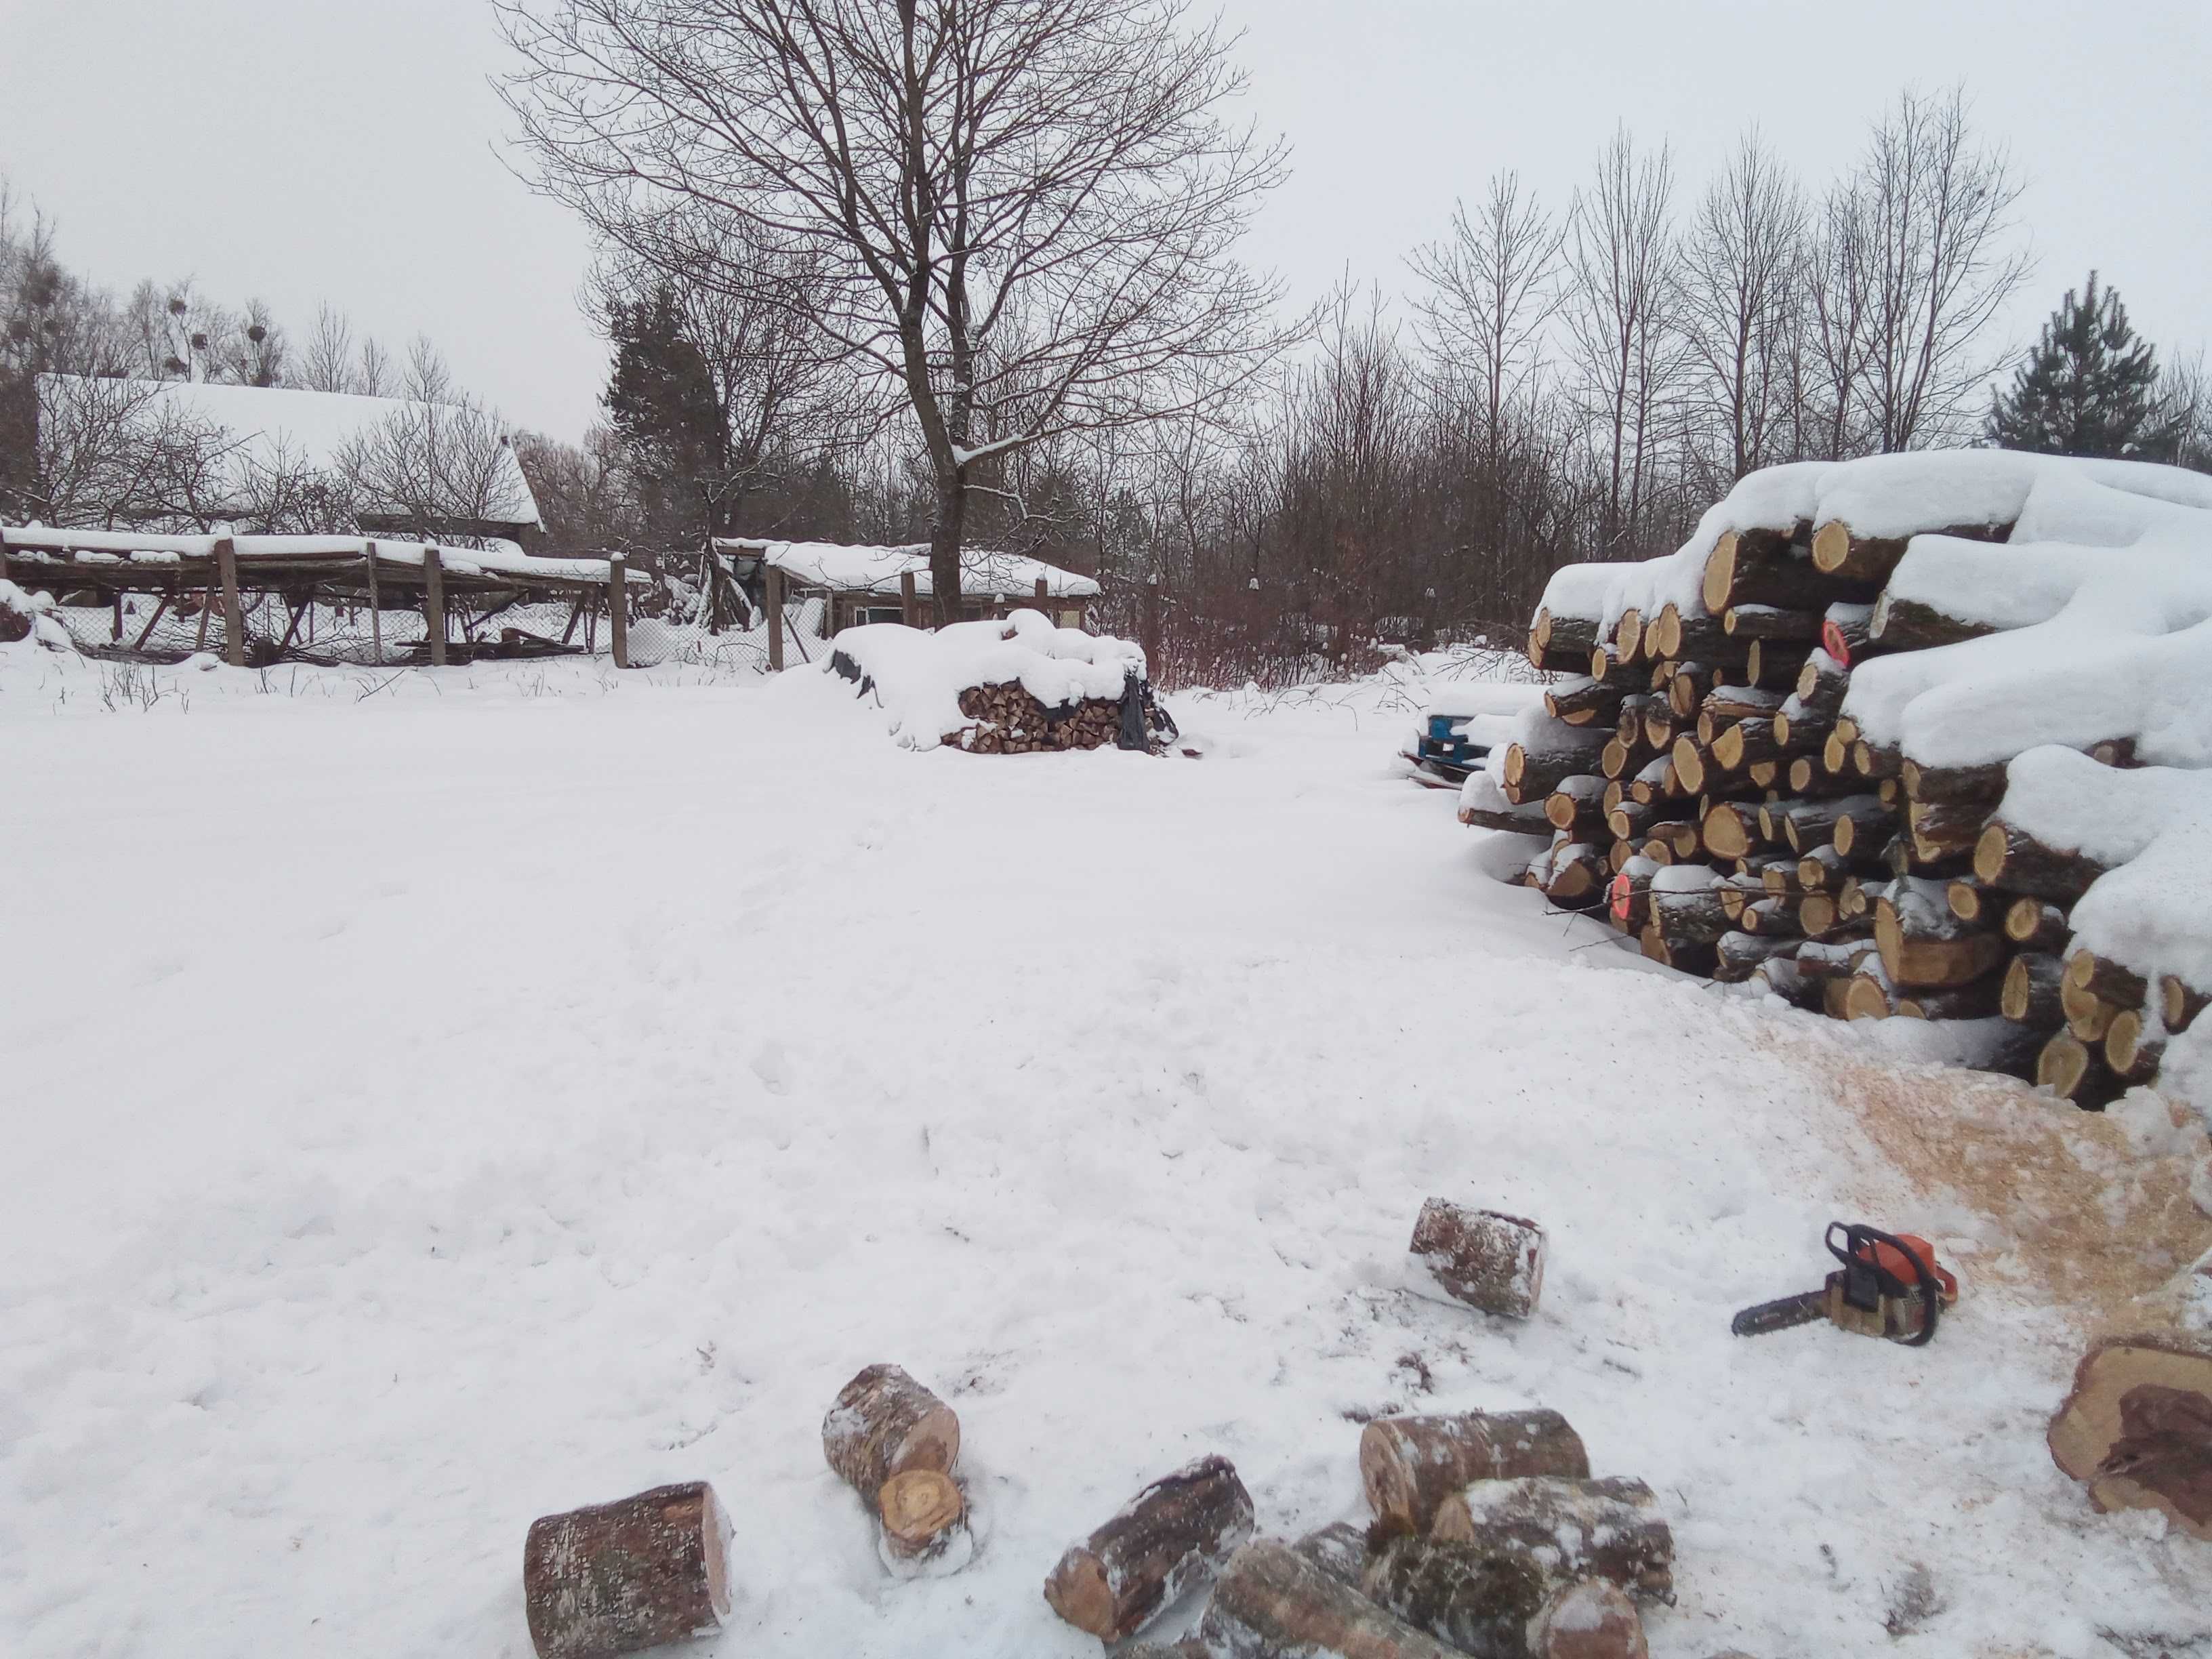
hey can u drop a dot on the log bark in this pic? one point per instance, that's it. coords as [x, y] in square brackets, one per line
[885, 1422]
[2088, 1016]
[1338, 1551]
[1955, 785]
[1502, 1604]
[1609, 1528]
[1631, 820]
[1806, 824]
[617, 1578]
[1739, 956]
[1675, 637]
[1837, 552]
[1531, 771]
[2136, 1429]
[2180, 1002]
[1687, 956]
[2106, 979]
[1781, 975]
[1576, 875]
[1485, 1259]
[1775, 664]
[1410, 1466]
[2033, 980]
[1482, 807]
[1175, 1534]
[1923, 945]
[1748, 740]
[1978, 1001]
[2008, 857]
[1583, 702]
[1760, 567]
[925, 1517]
[1867, 995]
[1695, 916]
[1577, 805]
[1747, 622]
[1833, 959]
[1774, 918]
[1944, 830]
[1271, 1603]
[1903, 624]
[1574, 634]
[2035, 924]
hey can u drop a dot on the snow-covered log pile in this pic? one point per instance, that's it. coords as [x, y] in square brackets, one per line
[1003, 687]
[1921, 735]
[27, 615]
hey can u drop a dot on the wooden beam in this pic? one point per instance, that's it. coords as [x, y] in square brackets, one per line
[434, 603]
[375, 611]
[152, 622]
[575, 616]
[618, 608]
[772, 592]
[909, 606]
[233, 620]
[1043, 592]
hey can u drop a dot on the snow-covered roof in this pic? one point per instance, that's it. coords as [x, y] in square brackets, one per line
[310, 428]
[983, 574]
[87, 549]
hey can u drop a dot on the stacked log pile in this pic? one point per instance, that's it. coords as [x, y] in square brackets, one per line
[1839, 769]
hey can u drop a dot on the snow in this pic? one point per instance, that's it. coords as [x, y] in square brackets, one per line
[918, 674]
[39, 546]
[457, 1095]
[302, 428]
[877, 570]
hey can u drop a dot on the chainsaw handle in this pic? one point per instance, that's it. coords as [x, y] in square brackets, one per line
[1858, 1238]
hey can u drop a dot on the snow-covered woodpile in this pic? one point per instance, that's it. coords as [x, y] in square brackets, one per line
[1013, 685]
[1918, 735]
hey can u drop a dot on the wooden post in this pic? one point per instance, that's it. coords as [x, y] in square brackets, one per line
[1043, 593]
[909, 606]
[434, 603]
[4, 556]
[376, 611]
[115, 624]
[234, 620]
[618, 608]
[828, 613]
[772, 592]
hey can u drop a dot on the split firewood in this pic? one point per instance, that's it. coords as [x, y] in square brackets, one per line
[1173, 1534]
[1502, 1604]
[2033, 980]
[1410, 1466]
[1609, 1528]
[885, 1422]
[1271, 1603]
[1487, 1259]
[615, 1577]
[2136, 1428]
[925, 1516]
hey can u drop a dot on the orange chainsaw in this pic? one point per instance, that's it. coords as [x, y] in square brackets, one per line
[1890, 1284]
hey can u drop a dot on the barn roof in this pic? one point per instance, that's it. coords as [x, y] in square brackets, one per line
[983, 574]
[310, 428]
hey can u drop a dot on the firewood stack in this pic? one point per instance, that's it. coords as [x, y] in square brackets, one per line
[1714, 784]
[1012, 722]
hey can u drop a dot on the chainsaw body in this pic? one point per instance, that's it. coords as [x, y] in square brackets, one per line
[1889, 1285]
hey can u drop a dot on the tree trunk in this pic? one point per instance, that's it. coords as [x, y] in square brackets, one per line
[1410, 1466]
[1492, 1261]
[946, 528]
[1924, 944]
[1271, 1603]
[2136, 1428]
[1609, 1528]
[1175, 1533]
[615, 1577]
[885, 1422]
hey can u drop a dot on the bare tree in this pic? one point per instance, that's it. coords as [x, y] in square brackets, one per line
[1740, 265]
[118, 453]
[440, 468]
[1934, 212]
[1493, 287]
[1023, 211]
[1622, 319]
[325, 363]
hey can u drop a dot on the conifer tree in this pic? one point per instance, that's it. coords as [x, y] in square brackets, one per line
[2088, 388]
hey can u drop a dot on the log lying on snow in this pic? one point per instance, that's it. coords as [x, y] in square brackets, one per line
[1271, 1602]
[1483, 805]
[1502, 1604]
[1580, 1529]
[1872, 559]
[636, 1573]
[1171, 1535]
[885, 1422]
[2136, 1428]
[925, 1517]
[1487, 1259]
[1411, 1466]
[2008, 856]
[1339, 1550]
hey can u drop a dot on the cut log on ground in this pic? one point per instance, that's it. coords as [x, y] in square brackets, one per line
[1609, 1528]
[1340, 1551]
[2136, 1428]
[1272, 1603]
[1410, 1466]
[633, 1574]
[1502, 1604]
[1487, 1259]
[1175, 1534]
[885, 1422]
[925, 1517]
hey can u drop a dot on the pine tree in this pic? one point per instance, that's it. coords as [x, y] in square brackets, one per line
[2088, 388]
[661, 400]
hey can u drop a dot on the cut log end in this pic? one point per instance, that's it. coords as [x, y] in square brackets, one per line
[885, 1422]
[2136, 1428]
[921, 1509]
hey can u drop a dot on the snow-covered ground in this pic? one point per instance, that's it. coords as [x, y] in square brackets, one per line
[433, 1100]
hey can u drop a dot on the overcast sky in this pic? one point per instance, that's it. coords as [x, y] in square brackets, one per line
[350, 150]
